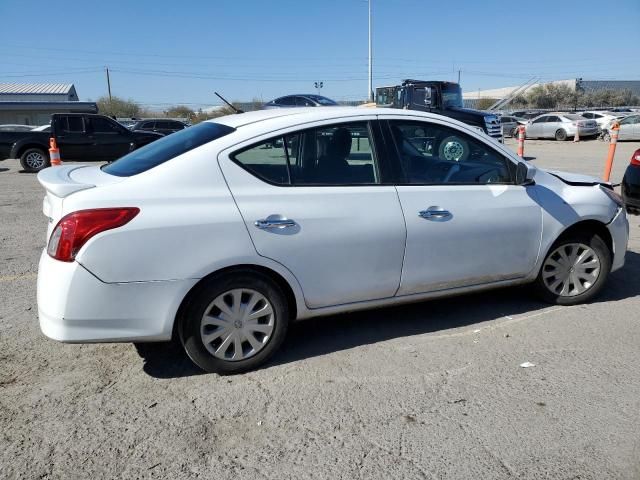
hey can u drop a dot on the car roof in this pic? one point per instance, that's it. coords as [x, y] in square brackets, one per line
[311, 114]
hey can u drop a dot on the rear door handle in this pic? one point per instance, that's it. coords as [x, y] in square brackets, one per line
[274, 222]
[435, 213]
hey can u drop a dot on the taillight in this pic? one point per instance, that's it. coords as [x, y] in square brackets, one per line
[75, 229]
[635, 158]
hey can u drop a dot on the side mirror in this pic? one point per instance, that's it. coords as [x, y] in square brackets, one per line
[525, 174]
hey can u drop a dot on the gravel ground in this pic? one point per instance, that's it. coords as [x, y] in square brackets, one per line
[432, 390]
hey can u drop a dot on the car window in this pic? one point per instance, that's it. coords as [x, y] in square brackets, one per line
[289, 101]
[304, 102]
[433, 154]
[102, 125]
[553, 119]
[597, 115]
[166, 125]
[587, 115]
[540, 120]
[336, 155]
[71, 124]
[166, 148]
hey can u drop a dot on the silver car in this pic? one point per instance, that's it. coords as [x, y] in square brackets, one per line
[629, 129]
[560, 126]
[510, 125]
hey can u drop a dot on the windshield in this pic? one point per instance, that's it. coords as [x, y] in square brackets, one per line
[166, 148]
[385, 95]
[571, 116]
[451, 95]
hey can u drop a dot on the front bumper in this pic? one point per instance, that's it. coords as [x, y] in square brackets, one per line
[619, 230]
[75, 306]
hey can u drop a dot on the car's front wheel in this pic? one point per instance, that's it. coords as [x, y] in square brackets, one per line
[574, 270]
[235, 322]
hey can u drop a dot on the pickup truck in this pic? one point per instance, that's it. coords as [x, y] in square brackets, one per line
[80, 137]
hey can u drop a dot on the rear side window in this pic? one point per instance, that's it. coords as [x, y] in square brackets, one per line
[166, 148]
[71, 124]
[341, 154]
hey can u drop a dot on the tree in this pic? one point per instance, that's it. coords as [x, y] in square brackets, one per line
[118, 107]
[180, 111]
[484, 103]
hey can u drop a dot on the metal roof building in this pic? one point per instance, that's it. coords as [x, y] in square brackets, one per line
[33, 103]
[38, 92]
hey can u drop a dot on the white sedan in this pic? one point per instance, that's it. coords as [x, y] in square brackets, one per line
[222, 234]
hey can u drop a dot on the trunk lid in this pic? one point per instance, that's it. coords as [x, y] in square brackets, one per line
[61, 182]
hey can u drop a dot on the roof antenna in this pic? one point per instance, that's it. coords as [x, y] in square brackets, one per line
[237, 110]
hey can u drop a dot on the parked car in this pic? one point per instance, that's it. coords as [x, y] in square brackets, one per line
[631, 184]
[303, 100]
[15, 128]
[349, 209]
[629, 129]
[526, 114]
[560, 126]
[158, 125]
[603, 118]
[80, 136]
[510, 125]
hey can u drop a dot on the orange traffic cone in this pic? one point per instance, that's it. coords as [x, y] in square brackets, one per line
[54, 153]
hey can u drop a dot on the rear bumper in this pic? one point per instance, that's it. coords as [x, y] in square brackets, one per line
[74, 306]
[619, 230]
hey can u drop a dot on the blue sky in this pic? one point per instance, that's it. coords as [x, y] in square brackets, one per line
[179, 52]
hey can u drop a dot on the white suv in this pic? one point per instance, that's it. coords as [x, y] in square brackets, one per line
[223, 233]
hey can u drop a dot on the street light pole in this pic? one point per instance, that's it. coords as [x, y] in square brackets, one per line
[370, 92]
[318, 86]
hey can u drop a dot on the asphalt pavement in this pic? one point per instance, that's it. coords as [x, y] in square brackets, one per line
[427, 391]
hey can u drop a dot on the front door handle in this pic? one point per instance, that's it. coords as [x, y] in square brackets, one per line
[435, 213]
[274, 222]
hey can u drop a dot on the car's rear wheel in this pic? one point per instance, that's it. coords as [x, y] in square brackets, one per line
[561, 135]
[34, 159]
[235, 322]
[574, 270]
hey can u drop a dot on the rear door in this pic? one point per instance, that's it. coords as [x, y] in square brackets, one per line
[72, 137]
[316, 200]
[467, 222]
[552, 125]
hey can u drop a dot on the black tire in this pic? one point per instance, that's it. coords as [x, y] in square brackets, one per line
[453, 148]
[605, 137]
[600, 249]
[561, 135]
[34, 159]
[514, 133]
[190, 328]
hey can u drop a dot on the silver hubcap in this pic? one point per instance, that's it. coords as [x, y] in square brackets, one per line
[34, 160]
[453, 151]
[571, 269]
[237, 324]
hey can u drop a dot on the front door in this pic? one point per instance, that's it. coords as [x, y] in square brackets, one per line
[111, 140]
[536, 128]
[467, 222]
[314, 200]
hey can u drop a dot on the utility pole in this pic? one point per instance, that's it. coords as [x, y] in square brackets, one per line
[459, 72]
[370, 93]
[108, 83]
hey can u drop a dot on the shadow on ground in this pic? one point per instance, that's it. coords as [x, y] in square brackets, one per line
[321, 336]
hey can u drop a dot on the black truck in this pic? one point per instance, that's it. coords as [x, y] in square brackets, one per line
[79, 136]
[444, 98]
